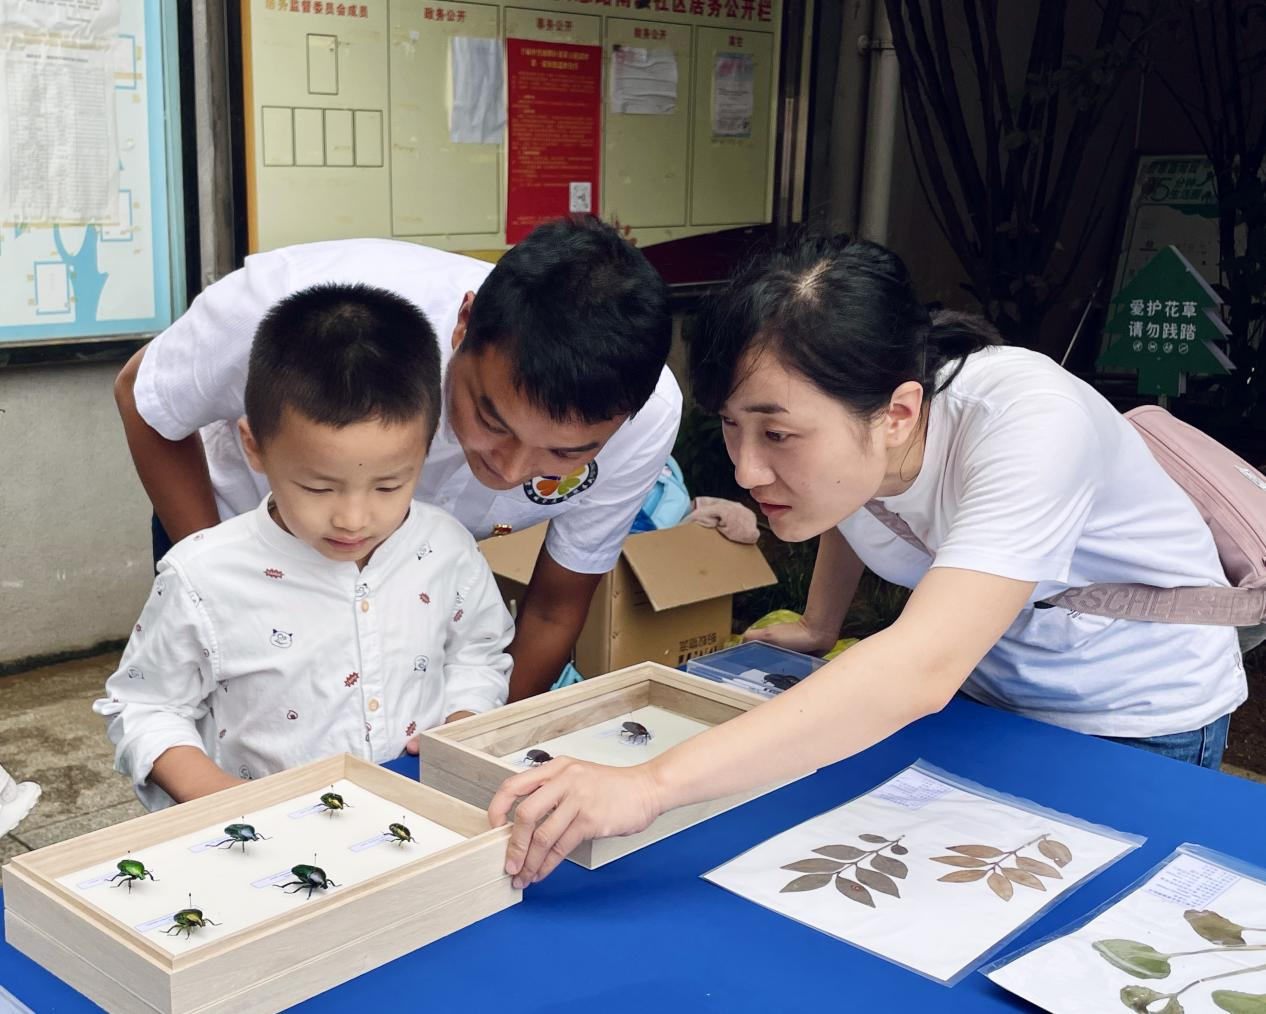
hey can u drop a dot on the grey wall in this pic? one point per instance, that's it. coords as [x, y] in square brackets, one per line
[75, 560]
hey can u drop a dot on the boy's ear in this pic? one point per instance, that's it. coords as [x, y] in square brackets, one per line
[463, 319]
[250, 445]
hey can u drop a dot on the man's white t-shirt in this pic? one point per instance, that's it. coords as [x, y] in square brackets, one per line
[193, 378]
[1030, 474]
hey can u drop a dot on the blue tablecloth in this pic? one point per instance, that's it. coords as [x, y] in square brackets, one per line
[646, 934]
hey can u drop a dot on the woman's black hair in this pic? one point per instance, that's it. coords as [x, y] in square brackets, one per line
[844, 315]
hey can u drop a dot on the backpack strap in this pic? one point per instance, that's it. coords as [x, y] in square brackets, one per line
[1211, 606]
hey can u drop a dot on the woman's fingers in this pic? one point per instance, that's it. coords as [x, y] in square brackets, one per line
[537, 798]
[513, 788]
[565, 802]
[544, 844]
[573, 836]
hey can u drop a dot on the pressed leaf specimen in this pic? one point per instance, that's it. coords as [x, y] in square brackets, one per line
[989, 863]
[836, 862]
[1145, 962]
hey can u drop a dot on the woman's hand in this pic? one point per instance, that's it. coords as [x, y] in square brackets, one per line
[565, 802]
[797, 636]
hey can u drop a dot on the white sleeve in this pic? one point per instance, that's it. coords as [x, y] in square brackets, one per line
[588, 538]
[1028, 488]
[476, 666]
[161, 688]
[194, 373]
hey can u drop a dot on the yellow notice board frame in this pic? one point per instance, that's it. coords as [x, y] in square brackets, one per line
[348, 117]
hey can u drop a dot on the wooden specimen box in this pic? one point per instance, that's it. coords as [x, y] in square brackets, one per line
[271, 948]
[472, 757]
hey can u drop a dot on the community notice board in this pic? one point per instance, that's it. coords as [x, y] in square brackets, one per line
[90, 232]
[462, 125]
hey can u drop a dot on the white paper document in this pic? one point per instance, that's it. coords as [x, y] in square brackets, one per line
[59, 153]
[733, 95]
[96, 20]
[1189, 939]
[926, 870]
[643, 81]
[479, 113]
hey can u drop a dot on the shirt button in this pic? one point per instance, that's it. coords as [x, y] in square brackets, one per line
[364, 605]
[373, 704]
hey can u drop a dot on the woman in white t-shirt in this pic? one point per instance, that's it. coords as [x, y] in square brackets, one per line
[836, 388]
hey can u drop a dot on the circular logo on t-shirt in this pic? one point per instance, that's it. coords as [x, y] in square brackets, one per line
[550, 489]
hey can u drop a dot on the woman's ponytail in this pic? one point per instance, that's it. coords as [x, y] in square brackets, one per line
[951, 338]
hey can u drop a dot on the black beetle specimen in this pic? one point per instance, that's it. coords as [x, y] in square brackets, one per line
[240, 833]
[636, 733]
[332, 802]
[186, 919]
[311, 878]
[400, 833]
[129, 870]
[537, 757]
[782, 680]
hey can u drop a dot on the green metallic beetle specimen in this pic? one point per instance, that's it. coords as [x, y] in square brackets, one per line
[240, 833]
[312, 878]
[130, 870]
[400, 833]
[332, 801]
[187, 919]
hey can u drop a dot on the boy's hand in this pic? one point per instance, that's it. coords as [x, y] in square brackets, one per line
[411, 745]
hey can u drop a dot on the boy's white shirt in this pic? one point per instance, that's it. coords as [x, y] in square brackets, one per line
[256, 649]
[1031, 474]
[193, 376]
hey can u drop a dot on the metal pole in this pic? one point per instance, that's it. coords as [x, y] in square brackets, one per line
[881, 129]
[214, 143]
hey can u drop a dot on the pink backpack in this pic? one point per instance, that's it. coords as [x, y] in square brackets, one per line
[1231, 497]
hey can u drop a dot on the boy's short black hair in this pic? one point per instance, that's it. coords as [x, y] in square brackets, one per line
[582, 317]
[341, 354]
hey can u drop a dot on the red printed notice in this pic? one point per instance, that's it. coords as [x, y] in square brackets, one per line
[555, 117]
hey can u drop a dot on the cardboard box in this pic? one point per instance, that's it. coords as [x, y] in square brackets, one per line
[267, 962]
[669, 598]
[470, 758]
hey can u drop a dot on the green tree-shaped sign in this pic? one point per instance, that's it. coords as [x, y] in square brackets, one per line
[1166, 325]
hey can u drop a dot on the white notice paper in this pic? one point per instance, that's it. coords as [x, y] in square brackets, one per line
[479, 112]
[643, 81]
[733, 94]
[935, 886]
[96, 20]
[59, 155]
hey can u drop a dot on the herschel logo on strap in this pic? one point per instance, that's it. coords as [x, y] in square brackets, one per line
[1235, 511]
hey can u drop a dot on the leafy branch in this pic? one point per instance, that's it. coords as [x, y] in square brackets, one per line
[837, 860]
[986, 862]
[1145, 962]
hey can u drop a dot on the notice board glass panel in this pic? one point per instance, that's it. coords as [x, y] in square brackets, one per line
[432, 74]
[119, 271]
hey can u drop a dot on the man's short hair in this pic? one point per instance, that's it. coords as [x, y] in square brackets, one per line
[582, 318]
[342, 354]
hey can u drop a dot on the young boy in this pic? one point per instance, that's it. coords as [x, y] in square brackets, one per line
[339, 615]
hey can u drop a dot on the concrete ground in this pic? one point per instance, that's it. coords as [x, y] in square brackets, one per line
[49, 734]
